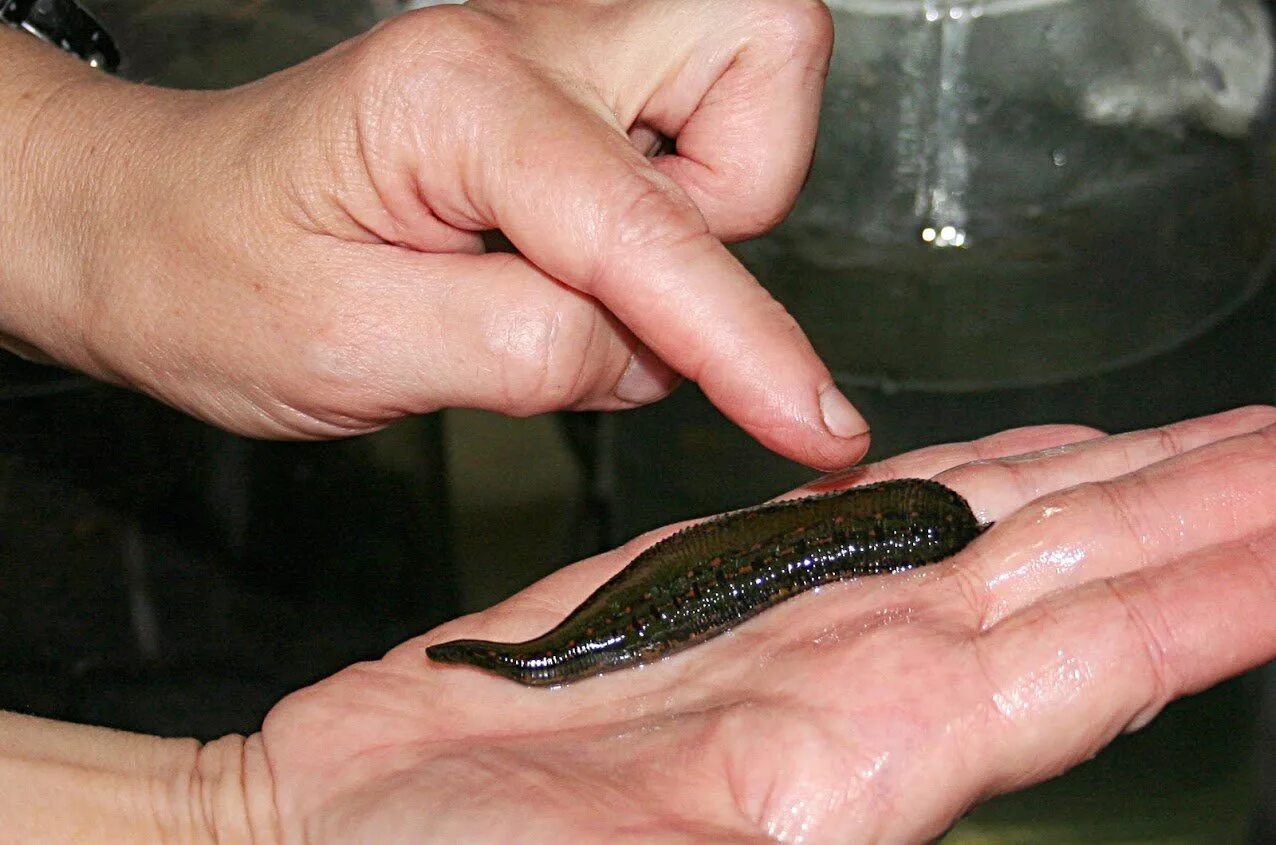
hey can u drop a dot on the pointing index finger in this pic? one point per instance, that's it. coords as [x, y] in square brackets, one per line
[612, 226]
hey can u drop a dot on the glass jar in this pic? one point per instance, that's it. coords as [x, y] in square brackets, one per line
[1020, 192]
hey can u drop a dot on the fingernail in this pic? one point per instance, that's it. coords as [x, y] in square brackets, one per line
[644, 381]
[840, 416]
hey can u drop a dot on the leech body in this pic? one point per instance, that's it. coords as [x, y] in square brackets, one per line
[707, 578]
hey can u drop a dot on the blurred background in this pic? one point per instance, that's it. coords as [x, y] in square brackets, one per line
[1021, 211]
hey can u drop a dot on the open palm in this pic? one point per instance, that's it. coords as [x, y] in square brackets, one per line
[1121, 572]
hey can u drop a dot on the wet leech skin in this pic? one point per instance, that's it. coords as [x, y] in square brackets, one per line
[711, 576]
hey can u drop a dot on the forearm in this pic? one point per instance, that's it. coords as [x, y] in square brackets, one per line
[73, 783]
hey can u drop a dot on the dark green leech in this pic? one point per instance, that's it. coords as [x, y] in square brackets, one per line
[709, 577]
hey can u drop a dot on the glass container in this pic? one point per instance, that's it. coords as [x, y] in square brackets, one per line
[1024, 192]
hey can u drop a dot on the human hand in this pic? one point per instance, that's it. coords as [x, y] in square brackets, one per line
[301, 257]
[1121, 572]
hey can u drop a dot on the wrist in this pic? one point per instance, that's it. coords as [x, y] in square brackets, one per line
[41, 244]
[34, 282]
[232, 794]
[67, 146]
[67, 783]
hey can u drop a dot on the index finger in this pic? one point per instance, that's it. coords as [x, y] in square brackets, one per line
[592, 212]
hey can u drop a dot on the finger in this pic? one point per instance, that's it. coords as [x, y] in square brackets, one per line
[609, 225]
[408, 337]
[999, 485]
[930, 461]
[745, 120]
[1208, 495]
[1067, 675]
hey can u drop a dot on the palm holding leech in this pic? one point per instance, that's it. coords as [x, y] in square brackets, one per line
[878, 710]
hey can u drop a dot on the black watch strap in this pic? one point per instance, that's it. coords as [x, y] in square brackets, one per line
[64, 24]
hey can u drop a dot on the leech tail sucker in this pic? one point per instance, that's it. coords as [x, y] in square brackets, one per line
[532, 663]
[711, 576]
[499, 658]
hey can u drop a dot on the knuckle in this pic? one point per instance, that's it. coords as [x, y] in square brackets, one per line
[796, 24]
[651, 211]
[1170, 441]
[435, 42]
[1268, 434]
[1152, 637]
[766, 215]
[1075, 431]
[331, 374]
[995, 474]
[1033, 441]
[521, 342]
[748, 214]
[545, 354]
[457, 27]
[1118, 499]
[465, 28]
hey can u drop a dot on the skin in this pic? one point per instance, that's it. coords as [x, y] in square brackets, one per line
[1122, 572]
[299, 258]
[302, 256]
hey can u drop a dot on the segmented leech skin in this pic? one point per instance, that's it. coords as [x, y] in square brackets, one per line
[709, 577]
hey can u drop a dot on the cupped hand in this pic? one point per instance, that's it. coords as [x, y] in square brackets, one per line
[302, 256]
[1121, 572]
